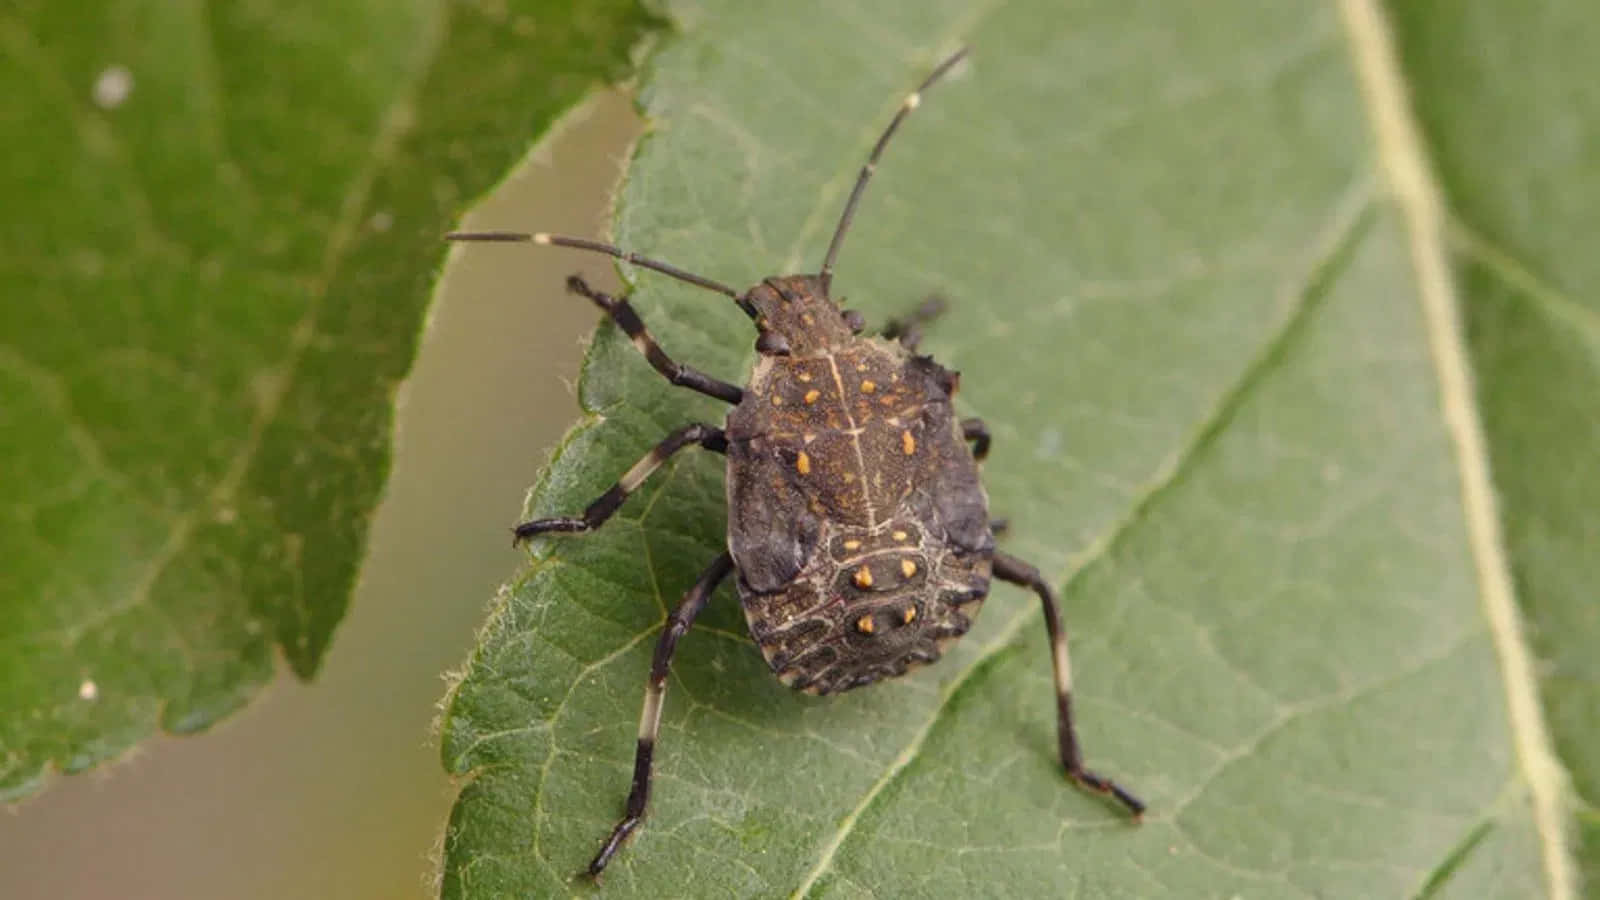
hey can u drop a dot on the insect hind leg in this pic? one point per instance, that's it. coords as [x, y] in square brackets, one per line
[655, 691]
[1009, 568]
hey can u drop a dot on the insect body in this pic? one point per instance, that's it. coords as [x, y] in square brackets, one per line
[855, 517]
[857, 525]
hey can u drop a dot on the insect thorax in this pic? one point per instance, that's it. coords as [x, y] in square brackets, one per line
[856, 518]
[796, 309]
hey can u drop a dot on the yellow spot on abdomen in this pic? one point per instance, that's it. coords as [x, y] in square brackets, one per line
[812, 395]
[868, 386]
[900, 535]
[803, 463]
[864, 625]
[852, 544]
[863, 577]
[908, 443]
[909, 615]
[908, 568]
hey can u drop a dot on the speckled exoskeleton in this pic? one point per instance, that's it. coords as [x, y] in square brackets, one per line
[857, 525]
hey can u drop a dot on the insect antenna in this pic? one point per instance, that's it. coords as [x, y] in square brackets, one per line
[911, 102]
[557, 240]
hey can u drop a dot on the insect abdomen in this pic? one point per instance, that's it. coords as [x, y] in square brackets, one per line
[856, 518]
[873, 606]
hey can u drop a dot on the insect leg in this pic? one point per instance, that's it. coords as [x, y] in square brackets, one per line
[908, 328]
[707, 436]
[1009, 568]
[978, 433]
[655, 690]
[628, 320]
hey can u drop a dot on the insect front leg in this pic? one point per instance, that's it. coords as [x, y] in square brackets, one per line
[707, 436]
[908, 329]
[1009, 568]
[630, 323]
[655, 691]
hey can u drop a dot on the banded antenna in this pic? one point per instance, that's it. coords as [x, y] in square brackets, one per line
[911, 102]
[557, 240]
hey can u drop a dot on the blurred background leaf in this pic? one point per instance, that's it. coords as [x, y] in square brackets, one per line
[221, 226]
[1231, 419]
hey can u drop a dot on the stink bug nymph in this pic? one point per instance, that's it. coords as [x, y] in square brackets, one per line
[858, 531]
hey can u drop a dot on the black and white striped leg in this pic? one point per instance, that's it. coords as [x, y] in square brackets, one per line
[908, 329]
[707, 436]
[655, 691]
[1009, 568]
[630, 323]
[978, 433]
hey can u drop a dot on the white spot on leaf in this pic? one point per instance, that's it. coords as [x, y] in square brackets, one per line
[113, 87]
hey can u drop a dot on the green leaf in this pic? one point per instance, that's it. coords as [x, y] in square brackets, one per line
[1516, 158]
[221, 226]
[1199, 292]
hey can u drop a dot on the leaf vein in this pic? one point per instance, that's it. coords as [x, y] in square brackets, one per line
[391, 128]
[1317, 704]
[1515, 274]
[1346, 224]
[1420, 200]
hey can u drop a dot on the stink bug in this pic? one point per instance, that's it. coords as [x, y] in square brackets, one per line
[858, 530]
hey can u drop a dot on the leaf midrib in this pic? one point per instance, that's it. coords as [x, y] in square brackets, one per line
[1420, 200]
[393, 125]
